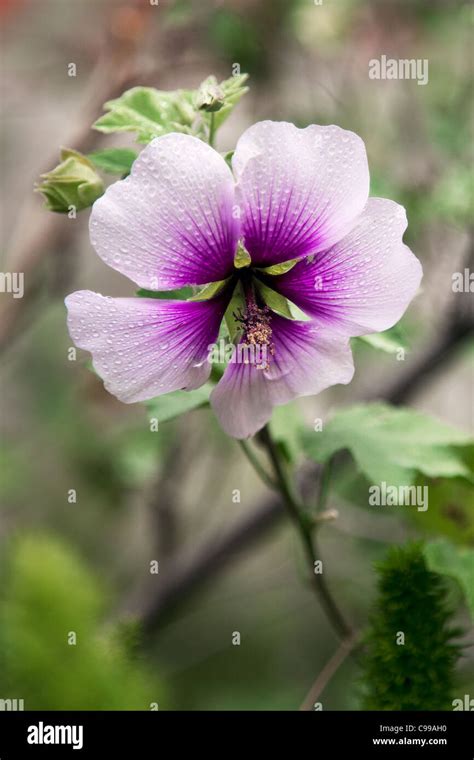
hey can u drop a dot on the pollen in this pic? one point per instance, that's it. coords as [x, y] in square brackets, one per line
[256, 323]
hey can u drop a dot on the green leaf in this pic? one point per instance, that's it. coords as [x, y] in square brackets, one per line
[286, 426]
[148, 112]
[450, 512]
[46, 592]
[453, 194]
[172, 405]
[391, 444]
[173, 295]
[114, 160]
[390, 341]
[457, 562]
[151, 113]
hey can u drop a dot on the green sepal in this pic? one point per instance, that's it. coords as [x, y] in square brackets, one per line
[173, 295]
[242, 257]
[279, 304]
[228, 156]
[210, 290]
[277, 269]
[236, 305]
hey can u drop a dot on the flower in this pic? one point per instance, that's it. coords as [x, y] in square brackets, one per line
[295, 226]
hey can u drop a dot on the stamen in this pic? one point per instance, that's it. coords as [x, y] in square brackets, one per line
[257, 331]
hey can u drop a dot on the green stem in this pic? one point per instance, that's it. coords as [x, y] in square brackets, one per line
[324, 484]
[305, 530]
[212, 130]
[259, 469]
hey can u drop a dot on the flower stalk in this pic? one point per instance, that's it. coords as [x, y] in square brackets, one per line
[305, 525]
[212, 130]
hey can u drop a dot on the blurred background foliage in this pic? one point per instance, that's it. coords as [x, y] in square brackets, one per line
[54, 651]
[144, 496]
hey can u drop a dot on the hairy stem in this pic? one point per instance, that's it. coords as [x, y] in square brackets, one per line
[305, 527]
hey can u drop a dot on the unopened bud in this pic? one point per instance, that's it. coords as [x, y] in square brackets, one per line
[73, 183]
[210, 96]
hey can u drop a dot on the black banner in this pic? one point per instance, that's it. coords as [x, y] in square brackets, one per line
[364, 734]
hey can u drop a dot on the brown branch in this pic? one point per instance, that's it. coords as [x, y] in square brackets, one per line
[162, 499]
[459, 326]
[184, 575]
[431, 362]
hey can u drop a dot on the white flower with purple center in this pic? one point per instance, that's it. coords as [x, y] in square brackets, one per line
[182, 218]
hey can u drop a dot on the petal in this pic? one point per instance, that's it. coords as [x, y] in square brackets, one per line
[299, 190]
[169, 223]
[306, 361]
[144, 347]
[365, 282]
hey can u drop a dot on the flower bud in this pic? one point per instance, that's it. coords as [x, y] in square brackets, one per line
[210, 97]
[73, 183]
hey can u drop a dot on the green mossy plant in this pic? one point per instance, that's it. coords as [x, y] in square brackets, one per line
[410, 650]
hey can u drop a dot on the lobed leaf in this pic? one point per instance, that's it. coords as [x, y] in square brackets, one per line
[392, 444]
[149, 113]
[457, 562]
[114, 160]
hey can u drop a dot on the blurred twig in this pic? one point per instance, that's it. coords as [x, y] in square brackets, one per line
[162, 501]
[441, 352]
[186, 574]
[346, 647]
